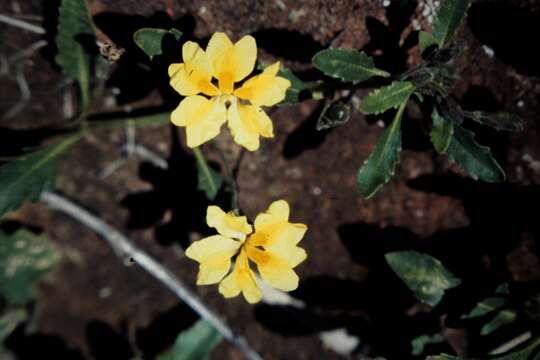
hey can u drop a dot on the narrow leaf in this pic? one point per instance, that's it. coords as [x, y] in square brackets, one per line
[347, 65]
[149, 39]
[196, 343]
[485, 307]
[24, 259]
[423, 274]
[475, 159]
[530, 352]
[419, 343]
[209, 180]
[441, 132]
[503, 317]
[499, 120]
[74, 24]
[387, 97]
[25, 178]
[381, 163]
[335, 113]
[448, 20]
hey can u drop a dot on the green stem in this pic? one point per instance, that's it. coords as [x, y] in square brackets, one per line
[201, 161]
[229, 178]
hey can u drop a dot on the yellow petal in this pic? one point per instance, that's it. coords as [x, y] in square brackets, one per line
[242, 280]
[273, 269]
[204, 249]
[281, 239]
[228, 224]
[245, 55]
[189, 83]
[247, 123]
[194, 75]
[218, 44]
[265, 89]
[193, 53]
[277, 212]
[231, 62]
[214, 255]
[201, 117]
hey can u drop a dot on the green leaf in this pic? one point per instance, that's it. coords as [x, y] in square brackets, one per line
[387, 97]
[10, 320]
[24, 259]
[473, 158]
[530, 352]
[74, 22]
[499, 121]
[419, 343]
[196, 343]
[292, 96]
[423, 274]
[503, 317]
[381, 163]
[347, 65]
[441, 132]
[209, 180]
[448, 20]
[149, 39]
[425, 40]
[494, 306]
[25, 178]
[485, 307]
[335, 113]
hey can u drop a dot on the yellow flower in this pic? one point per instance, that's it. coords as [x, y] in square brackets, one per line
[272, 247]
[241, 108]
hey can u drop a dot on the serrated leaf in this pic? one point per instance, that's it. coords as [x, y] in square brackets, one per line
[441, 132]
[425, 40]
[209, 180]
[75, 22]
[419, 343]
[347, 65]
[475, 159]
[25, 178]
[24, 259]
[427, 278]
[381, 163]
[292, 96]
[150, 40]
[335, 113]
[499, 120]
[196, 343]
[387, 97]
[448, 20]
[10, 320]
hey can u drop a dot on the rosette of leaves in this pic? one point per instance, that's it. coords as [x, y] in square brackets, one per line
[432, 79]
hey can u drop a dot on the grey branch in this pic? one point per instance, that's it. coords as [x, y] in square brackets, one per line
[21, 24]
[126, 249]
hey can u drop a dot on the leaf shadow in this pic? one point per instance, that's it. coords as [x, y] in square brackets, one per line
[305, 136]
[32, 346]
[511, 42]
[174, 206]
[287, 44]
[135, 75]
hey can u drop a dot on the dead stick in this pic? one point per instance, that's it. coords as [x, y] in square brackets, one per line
[125, 248]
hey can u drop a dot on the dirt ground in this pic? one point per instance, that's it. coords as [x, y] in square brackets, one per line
[95, 306]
